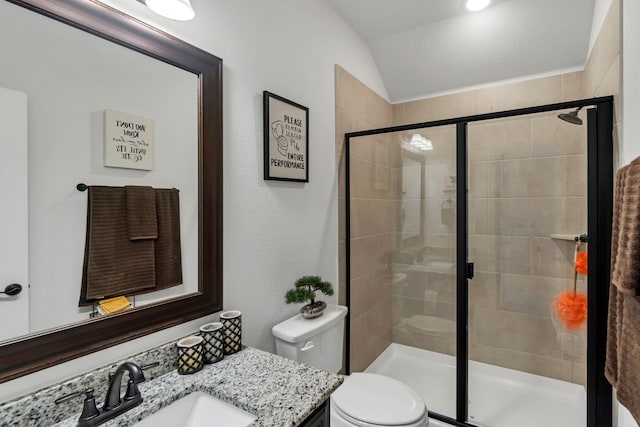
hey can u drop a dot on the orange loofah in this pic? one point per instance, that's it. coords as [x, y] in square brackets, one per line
[581, 262]
[571, 309]
[571, 306]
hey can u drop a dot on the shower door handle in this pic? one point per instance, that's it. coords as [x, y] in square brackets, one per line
[469, 270]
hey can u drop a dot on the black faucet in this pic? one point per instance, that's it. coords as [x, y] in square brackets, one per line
[113, 393]
[114, 405]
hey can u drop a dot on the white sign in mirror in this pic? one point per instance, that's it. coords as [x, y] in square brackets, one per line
[128, 140]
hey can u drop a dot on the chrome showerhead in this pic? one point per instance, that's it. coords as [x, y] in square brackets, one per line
[571, 117]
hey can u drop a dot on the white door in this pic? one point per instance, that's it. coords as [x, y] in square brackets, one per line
[14, 213]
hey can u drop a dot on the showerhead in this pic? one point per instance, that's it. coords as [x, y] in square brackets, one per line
[571, 117]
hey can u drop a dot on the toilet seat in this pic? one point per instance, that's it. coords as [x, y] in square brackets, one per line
[372, 400]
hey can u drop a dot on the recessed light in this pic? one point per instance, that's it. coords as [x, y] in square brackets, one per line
[475, 5]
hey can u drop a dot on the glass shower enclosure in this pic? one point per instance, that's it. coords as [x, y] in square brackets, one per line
[460, 234]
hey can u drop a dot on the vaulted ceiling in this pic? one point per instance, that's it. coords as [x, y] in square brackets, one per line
[430, 47]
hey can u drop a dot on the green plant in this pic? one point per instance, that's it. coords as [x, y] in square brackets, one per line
[305, 289]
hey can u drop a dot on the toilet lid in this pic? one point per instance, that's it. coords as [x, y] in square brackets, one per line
[376, 399]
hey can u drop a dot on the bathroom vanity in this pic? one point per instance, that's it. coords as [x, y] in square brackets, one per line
[277, 391]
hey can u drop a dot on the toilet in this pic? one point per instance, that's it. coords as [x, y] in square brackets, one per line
[363, 399]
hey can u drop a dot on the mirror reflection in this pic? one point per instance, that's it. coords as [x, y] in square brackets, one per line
[53, 98]
[412, 193]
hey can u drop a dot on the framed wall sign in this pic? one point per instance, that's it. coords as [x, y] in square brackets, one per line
[128, 141]
[286, 139]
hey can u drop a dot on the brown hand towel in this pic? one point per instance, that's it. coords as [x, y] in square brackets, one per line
[168, 260]
[628, 386]
[614, 326]
[141, 212]
[614, 321]
[625, 263]
[113, 264]
[622, 365]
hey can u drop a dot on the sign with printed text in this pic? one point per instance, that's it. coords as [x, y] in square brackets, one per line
[286, 139]
[128, 141]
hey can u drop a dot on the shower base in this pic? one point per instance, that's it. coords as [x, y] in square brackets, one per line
[499, 397]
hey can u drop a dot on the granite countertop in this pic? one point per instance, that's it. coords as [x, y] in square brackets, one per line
[279, 391]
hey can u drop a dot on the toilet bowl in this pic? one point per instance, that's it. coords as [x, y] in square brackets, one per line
[364, 399]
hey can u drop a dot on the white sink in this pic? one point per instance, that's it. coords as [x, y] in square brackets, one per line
[198, 410]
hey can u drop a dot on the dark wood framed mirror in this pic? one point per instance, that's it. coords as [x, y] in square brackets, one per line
[37, 351]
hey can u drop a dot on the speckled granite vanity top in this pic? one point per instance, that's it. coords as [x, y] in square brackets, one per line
[279, 391]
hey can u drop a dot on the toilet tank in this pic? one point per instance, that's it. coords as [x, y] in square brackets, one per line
[315, 342]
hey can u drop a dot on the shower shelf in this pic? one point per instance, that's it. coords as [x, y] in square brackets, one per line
[570, 237]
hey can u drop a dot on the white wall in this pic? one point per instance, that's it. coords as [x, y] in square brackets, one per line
[630, 145]
[273, 232]
[509, 40]
[630, 148]
[624, 418]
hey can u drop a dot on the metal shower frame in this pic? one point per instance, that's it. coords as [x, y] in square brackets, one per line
[599, 217]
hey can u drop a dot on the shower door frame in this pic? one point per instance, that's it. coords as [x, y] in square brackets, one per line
[599, 218]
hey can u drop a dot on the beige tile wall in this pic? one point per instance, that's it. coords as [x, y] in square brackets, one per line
[359, 108]
[527, 180]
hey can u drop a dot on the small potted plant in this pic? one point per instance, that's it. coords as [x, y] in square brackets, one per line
[305, 290]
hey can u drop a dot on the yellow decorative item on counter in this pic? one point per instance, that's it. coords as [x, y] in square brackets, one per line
[114, 305]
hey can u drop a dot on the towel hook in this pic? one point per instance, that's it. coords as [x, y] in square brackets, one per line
[82, 187]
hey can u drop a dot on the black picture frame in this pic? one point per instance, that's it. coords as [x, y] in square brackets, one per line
[286, 139]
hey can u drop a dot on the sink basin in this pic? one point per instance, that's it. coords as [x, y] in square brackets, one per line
[198, 410]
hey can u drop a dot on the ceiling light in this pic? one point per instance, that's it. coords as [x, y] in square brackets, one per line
[475, 5]
[416, 140]
[427, 146]
[180, 10]
[420, 142]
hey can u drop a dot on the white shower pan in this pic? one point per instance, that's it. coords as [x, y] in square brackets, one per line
[499, 397]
